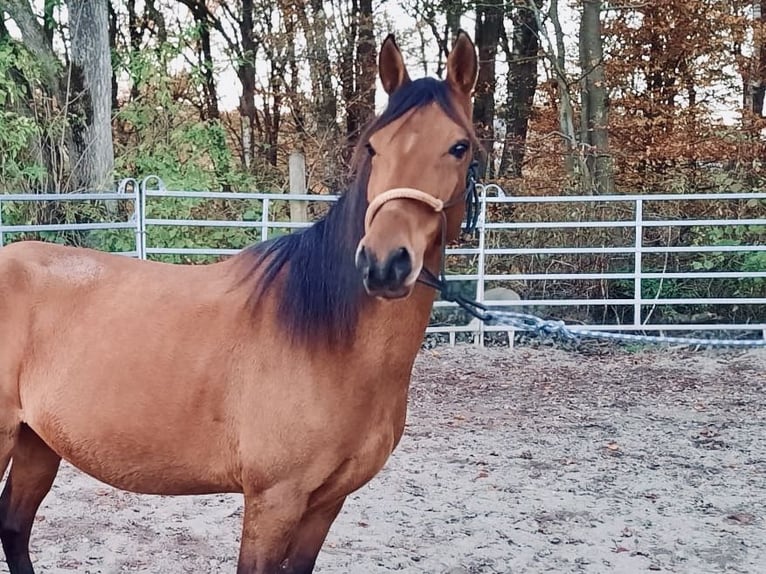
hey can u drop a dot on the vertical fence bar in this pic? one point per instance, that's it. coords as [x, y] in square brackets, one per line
[141, 202]
[122, 188]
[1, 222]
[480, 286]
[638, 265]
[143, 192]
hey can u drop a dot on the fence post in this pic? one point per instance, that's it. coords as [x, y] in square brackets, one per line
[481, 268]
[143, 193]
[1, 221]
[297, 171]
[638, 265]
[138, 216]
[265, 219]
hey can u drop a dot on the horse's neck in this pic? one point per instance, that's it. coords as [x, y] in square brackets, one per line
[391, 332]
[397, 327]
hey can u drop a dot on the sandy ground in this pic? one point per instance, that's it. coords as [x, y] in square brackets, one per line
[525, 460]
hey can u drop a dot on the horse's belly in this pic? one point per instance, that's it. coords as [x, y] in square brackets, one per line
[139, 465]
[159, 450]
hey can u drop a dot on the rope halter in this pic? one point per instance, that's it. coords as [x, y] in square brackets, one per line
[400, 193]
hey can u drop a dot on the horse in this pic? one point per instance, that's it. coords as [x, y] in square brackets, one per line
[280, 373]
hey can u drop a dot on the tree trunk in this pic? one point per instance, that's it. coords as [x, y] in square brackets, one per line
[205, 20]
[430, 12]
[489, 22]
[92, 159]
[320, 70]
[324, 111]
[366, 67]
[113, 49]
[566, 113]
[246, 75]
[347, 72]
[594, 124]
[521, 86]
[206, 63]
[557, 58]
[153, 14]
[758, 81]
[454, 10]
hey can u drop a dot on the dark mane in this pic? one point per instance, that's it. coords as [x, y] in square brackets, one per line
[321, 292]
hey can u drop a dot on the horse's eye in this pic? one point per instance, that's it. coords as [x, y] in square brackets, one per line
[370, 149]
[459, 149]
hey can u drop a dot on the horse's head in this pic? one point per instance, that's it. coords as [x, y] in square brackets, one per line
[421, 148]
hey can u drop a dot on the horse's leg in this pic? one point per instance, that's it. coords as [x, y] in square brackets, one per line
[7, 442]
[270, 520]
[310, 536]
[33, 470]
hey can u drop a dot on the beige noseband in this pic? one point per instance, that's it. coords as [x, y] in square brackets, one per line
[400, 193]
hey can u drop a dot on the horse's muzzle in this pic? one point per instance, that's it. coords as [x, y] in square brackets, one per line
[389, 278]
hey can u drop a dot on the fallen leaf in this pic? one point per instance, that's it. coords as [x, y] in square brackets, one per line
[741, 518]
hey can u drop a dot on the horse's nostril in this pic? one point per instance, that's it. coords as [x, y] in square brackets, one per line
[363, 261]
[388, 274]
[400, 265]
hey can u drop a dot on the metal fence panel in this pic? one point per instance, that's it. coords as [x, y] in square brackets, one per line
[142, 197]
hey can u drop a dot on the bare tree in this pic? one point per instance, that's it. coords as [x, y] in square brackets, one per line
[594, 135]
[758, 78]
[358, 66]
[325, 107]
[246, 75]
[205, 20]
[91, 105]
[521, 85]
[442, 29]
[489, 24]
[556, 56]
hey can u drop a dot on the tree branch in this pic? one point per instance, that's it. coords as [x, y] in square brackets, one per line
[35, 39]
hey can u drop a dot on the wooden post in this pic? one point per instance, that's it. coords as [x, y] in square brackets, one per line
[297, 171]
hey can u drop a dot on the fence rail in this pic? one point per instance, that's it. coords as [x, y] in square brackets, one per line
[142, 216]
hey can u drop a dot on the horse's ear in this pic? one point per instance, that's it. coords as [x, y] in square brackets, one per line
[462, 64]
[393, 73]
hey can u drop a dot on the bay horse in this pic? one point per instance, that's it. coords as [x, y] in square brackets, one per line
[281, 373]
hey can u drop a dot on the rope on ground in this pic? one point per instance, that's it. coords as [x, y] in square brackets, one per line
[553, 328]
